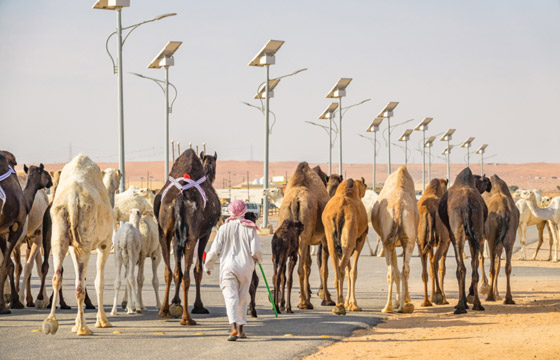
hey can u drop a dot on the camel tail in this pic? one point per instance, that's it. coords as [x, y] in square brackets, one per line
[74, 222]
[429, 233]
[503, 224]
[397, 221]
[337, 233]
[468, 226]
[181, 229]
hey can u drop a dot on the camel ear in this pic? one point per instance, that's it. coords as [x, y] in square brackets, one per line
[25, 168]
[215, 155]
[41, 166]
[51, 173]
[202, 155]
[363, 180]
[119, 172]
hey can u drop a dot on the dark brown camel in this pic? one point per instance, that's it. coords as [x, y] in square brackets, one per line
[432, 234]
[464, 213]
[285, 247]
[185, 217]
[12, 220]
[503, 219]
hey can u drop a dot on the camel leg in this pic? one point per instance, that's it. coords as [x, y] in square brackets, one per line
[117, 283]
[371, 251]
[189, 252]
[493, 274]
[283, 284]
[18, 267]
[156, 259]
[140, 281]
[461, 307]
[475, 277]
[6, 270]
[324, 271]
[523, 240]
[354, 274]
[382, 252]
[198, 307]
[303, 274]
[388, 258]
[167, 274]
[80, 266]
[59, 249]
[178, 280]
[406, 305]
[442, 270]
[340, 269]
[509, 252]
[27, 270]
[275, 283]
[553, 241]
[320, 265]
[498, 265]
[132, 285]
[540, 228]
[291, 266]
[396, 277]
[102, 256]
[423, 259]
[484, 287]
[41, 301]
[39, 274]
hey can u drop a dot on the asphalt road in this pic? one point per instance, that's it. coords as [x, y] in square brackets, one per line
[147, 336]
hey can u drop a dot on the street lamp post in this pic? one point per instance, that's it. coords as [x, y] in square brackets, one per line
[481, 151]
[467, 144]
[387, 112]
[329, 114]
[429, 144]
[164, 59]
[117, 5]
[447, 137]
[423, 126]
[405, 137]
[339, 91]
[266, 57]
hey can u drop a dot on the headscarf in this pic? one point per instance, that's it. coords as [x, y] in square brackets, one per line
[237, 209]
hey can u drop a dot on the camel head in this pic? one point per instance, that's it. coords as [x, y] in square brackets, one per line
[38, 175]
[545, 201]
[134, 216]
[209, 165]
[273, 193]
[10, 158]
[324, 177]
[295, 225]
[362, 187]
[482, 183]
[111, 179]
[332, 183]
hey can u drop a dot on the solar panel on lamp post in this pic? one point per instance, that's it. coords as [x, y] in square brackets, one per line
[481, 151]
[467, 144]
[374, 127]
[429, 144]
[387, 112]
[423, 126]
[266, 57]
[164, 59]
[405, 137]
[447, 137]
[329, 114]
[339, 91]
[117, 5]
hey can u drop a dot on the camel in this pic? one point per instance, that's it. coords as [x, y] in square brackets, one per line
[186, 216]
[500, 228]
[15, 208]
[128, 243]
[285, 247]
[304, 200]
[433, 234]
[82, 220]
[369, 200]
[346, 227]
[528, 218]
[275, 195]
[332, 182]
[551, 214]
[464, 213]
[395, 219]
[111, 180]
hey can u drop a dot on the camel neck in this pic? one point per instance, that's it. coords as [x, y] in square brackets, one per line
[29, 194]
[539, 212]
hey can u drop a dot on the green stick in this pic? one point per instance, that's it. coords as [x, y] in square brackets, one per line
[269, 293]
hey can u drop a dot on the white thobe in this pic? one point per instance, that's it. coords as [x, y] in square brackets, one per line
[238, 248]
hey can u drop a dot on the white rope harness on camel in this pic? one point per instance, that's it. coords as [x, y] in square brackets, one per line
[189, 184]
[2, 178]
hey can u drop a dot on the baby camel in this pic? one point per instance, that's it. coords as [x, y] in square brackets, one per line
[128, 244]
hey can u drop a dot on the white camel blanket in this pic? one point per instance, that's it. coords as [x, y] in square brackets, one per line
[189, 184]
[2, 193]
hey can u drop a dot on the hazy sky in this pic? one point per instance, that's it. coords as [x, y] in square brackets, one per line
[490, 69]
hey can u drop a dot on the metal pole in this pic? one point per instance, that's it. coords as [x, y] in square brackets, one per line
[389, 146]
[374, 157]
[430, 163]
[340, 134]
[166, 124]
[423, 161]
[406, 153]
[120, 96]
[448, 169]
[330, 144]
[481, 163]
[468, 157]
[265, 185]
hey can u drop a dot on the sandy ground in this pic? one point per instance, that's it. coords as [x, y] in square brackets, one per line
[527, 330]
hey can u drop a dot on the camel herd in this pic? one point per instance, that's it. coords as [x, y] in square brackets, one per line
[331, 213]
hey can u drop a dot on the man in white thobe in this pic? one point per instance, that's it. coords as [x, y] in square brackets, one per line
[238, 247]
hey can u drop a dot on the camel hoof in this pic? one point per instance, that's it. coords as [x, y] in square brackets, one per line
[353, 307]
[438, 299]
[50, 326]
[470, 299]
[478, 307]
[408, 308]
[387, 310]
[65, 307]
[306, 306]
[4, 310]
[164, 314]
[188, 322]
[289, 310]
[138, 311]
[460, 311]
[426, 303]
[114, 313]
[509, 302]
[490, 298]
[339, 310]
[123, 305]
[253, 313]
[484, 289]
[85, 331]
[41, 304]
[103, 324]
[281, 308]
[328, 303]
[30, 304]
[16, 304]
[175, 310]
[200, 310]
[320, 293]
[88, 307]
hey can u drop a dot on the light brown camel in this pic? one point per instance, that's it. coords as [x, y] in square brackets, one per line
[433, 234]
[346, 227]
[82, 220]
[395, 219]
[503, 219]
[304, 200]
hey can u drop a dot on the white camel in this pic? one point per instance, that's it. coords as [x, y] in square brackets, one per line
[111, 180]
[275, 195]
[82, 220]
[552, 215]
[127, 245]
[128, 200]
[526, 219]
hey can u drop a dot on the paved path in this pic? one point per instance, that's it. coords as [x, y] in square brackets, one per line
[147, 336]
